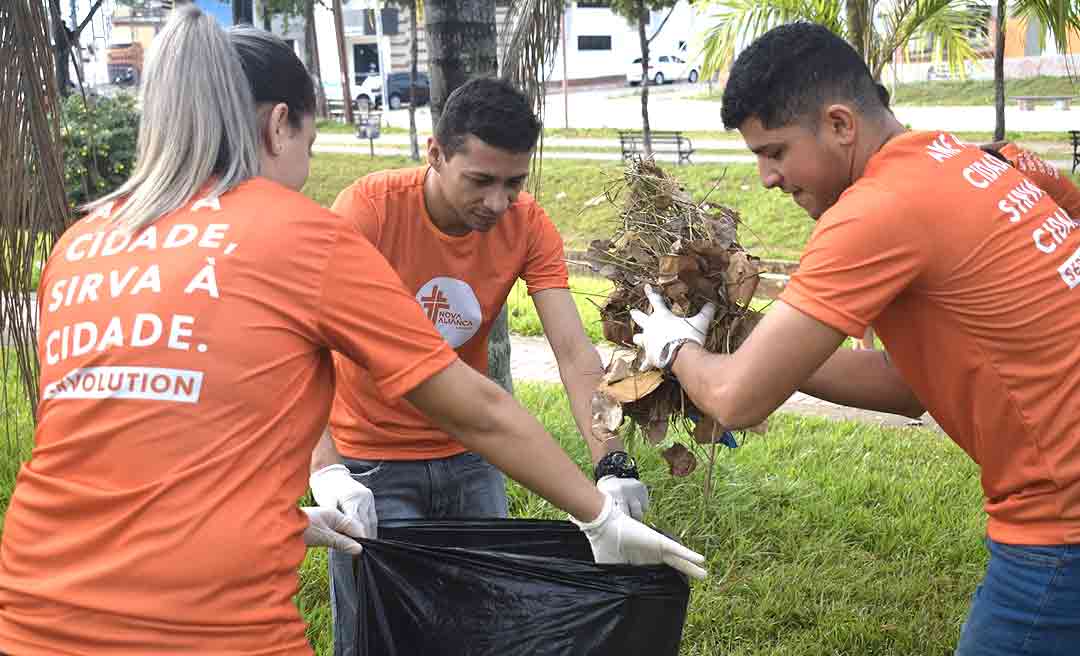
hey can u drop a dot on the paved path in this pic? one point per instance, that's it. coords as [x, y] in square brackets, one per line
[531, 360]
[673, 107]
[725, 150]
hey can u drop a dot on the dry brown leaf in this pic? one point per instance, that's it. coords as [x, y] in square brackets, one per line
[707, 431]
[621, 366]
[656, 430]
[618, 332]
[633, 387]
[742, 278]
[680, 461]
[607, 414]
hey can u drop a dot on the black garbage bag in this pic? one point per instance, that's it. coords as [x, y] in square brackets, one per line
[505, 587]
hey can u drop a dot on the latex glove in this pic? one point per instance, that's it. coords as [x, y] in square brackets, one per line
[335, 488]
[629, 494]
[616, 537]
[330, 528]
[662, 328]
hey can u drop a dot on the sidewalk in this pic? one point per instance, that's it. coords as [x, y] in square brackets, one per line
[602, 149]
[531, 360]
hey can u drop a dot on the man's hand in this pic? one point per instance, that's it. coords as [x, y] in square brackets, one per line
[330, 528]
[334, 488]
[629, 494]
[661, 331]
[616, 537]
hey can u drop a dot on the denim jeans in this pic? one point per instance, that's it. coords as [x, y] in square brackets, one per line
[1027, 605]
[461, 486]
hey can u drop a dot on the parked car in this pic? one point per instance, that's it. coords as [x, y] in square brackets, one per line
[662, 68]
[371, 91]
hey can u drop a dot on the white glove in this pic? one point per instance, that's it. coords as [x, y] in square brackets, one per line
[330, 528]
[629, 494]
[618, 538]
[334, 487]
[661, 330]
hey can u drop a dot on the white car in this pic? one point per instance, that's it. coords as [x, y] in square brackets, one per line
[662, 68]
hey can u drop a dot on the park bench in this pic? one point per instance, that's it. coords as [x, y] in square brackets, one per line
[335, 108]
[1027, 103]
[1075, 136]
[632, 143]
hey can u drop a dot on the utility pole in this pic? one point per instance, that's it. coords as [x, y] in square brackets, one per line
[379, 52]
[565, 75]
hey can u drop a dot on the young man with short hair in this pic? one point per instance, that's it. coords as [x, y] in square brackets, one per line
[460, 232]
[972, 283]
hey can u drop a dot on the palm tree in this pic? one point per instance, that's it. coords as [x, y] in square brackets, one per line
[1054, 17]
[875, 31]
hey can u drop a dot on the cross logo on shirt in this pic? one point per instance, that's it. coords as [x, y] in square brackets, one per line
[433, 303]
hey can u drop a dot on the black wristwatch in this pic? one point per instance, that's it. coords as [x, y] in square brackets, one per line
[616, 463]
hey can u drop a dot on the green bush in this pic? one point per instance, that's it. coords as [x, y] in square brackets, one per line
[99, 145]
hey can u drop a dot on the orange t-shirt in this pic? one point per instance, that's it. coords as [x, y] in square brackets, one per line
[186, 376]
[460, 282]
[1046, 176]
[977, 308]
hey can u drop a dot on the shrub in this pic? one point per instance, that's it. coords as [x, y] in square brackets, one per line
[99, 137]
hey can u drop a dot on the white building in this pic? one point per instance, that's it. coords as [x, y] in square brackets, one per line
[600, 45]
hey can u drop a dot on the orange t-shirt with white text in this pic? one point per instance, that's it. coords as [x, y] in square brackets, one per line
[1046, 176]
[186, 375]
[976, 297]
[461, 282]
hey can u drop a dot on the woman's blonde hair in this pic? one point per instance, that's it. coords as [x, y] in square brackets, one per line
[199, 123]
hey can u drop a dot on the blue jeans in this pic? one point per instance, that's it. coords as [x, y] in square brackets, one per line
[461, 486]
[1027, 605]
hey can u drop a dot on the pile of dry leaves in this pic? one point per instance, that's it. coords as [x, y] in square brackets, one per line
[690, 252]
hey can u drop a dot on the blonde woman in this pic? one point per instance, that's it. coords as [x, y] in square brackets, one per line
[187, 325]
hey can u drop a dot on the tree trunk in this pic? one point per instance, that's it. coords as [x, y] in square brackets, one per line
[267, 18]
[857, 23]
[61, 48]
[343, 60]
[646, 131]
[462, 44]
[999, 72]
[311, 50]
[414, 143]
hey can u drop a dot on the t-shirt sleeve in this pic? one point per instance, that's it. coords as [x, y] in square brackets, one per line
[1053, 181]
[545, 263]
[359, 211]
[366, 315]
[859, 258]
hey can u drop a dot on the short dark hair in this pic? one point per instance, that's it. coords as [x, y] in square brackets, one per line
[274, 71]
[787, 74]
[492, 110]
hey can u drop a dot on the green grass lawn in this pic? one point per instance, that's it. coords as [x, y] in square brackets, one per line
[980, 92]
[774, 226]
[588, 293]
[944, 93]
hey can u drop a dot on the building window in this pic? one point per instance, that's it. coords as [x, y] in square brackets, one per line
[594, 43]
[594, 4]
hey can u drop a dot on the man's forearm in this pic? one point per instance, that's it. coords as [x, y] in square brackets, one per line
[863, 379]
[580, 377]
[325, 453]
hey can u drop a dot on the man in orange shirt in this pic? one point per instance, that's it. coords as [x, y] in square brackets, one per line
[1042, 173]
[970, 276]
[460, 232]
